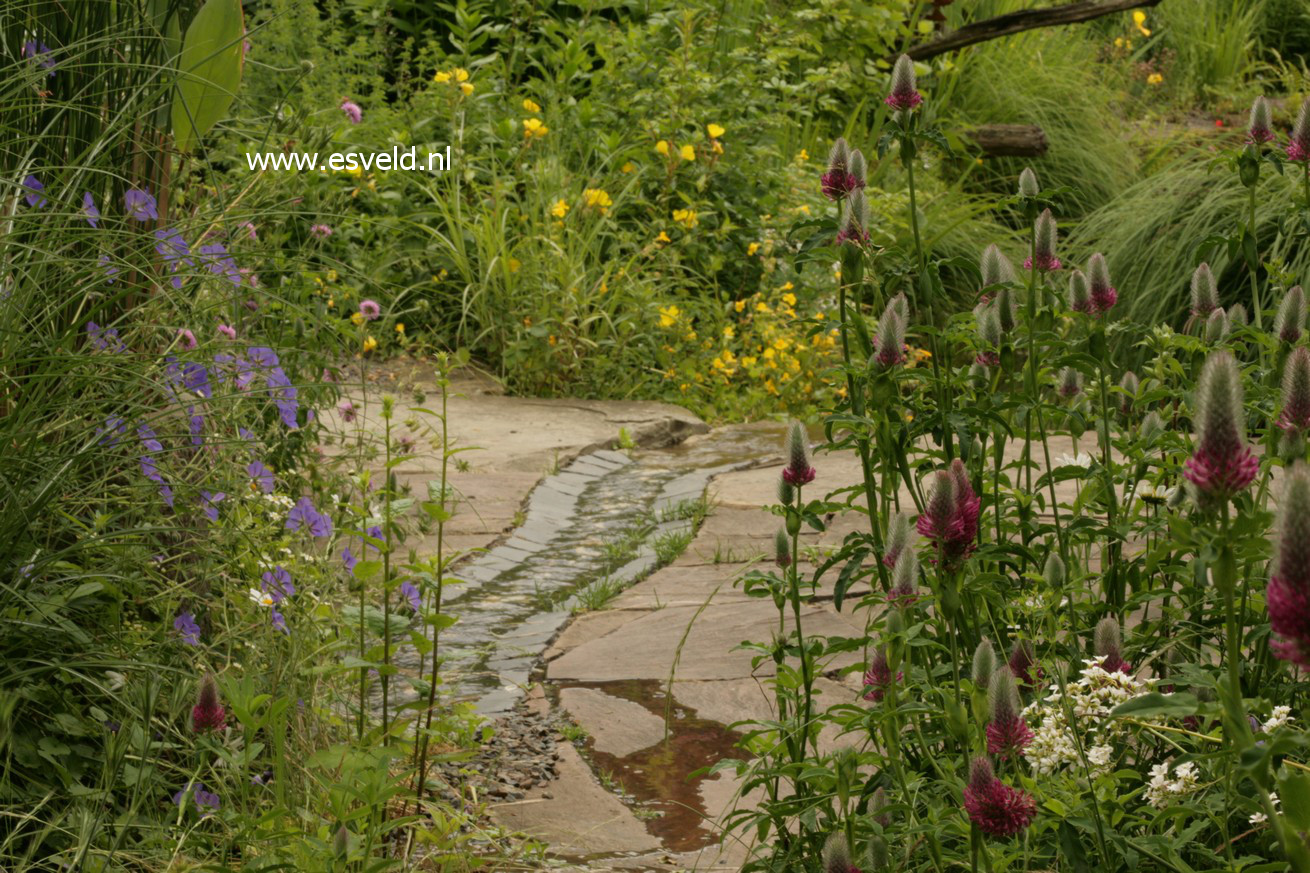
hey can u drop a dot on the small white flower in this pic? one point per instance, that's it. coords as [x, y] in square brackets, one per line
[116, 680]
[1099, 756]
[263, 598]
[1260, 817]
[1281, 716]
[1077, 459]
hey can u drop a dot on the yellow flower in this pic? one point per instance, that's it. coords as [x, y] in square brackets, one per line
[461, 74]
[1118, 42]
[400, 327]
[533, 127]
[802, 156]
[370, 344]
[662, 238]
[787, 287]
[688, 153]
[331, 303]
[560, 209]
[770, 387]
[662, 147]
[748, 361]
[466, 87]
[685, 217]
[752, 249]
[716, 147]
[714, 130]
[551, 339]
[739, 305]
[597, 198]
[804, 207]
[332, 275]
[628, 167]
[514, 264]
[762, 307]
[789, 298]
[442, 77]
[1139, 21]
[669, 316]
[728, 333]
[442, 275]
[529, 106]
[1154, 79]
[357, 319]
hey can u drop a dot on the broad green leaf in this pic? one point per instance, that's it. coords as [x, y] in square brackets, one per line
[1157, 704]
[209, 71]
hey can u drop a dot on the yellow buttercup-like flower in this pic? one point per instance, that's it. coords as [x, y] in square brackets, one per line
[688, 153]
[529, 106]
[685, 217]
[466, 87]
[714, 130]
[802, 156]
[752, 248]
[1139, 21]
[514, 264]
[1154, 79]
[442, 77]
[669, 316]
[400, 327]
[628, 167]
[662, 238]
[789, 299]
[787, 287]
[560, 209]
[740, 305]
[370, 344]
[461, 74]
[662, 147]
[533, 127]
[597, 198]
[357, 319]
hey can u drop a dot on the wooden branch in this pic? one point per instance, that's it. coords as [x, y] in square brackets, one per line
[1009, 140]
[1018, 22]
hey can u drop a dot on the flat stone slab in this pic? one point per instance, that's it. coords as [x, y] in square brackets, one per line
[617, 727]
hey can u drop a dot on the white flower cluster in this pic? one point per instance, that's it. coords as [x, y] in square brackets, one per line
[1162, 790]
[1090, 698]
[1281, 715]
[1260, 817]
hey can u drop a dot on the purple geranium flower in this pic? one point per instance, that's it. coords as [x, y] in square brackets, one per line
[277, 582]
[110, 270]
[411, 594]
[34, 195]
[206, 801]
[348, 558]
[303, 514]
[278, 621]
[209, 503]
[262, 475]
[140, 205]
[185, 624]
[89, 207]
[263, 356]
[113, 426]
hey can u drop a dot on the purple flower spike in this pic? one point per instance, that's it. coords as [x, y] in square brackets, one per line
[855, 220]
[798, 470]
[1260, 127]
[1290, 319]
[904, 92]
[889, 344]
[1103, 294]
[185, 624]
[1205, 291]
[1295, 417]
[1222, 464]
[208, 714]
[878, 678]
[1298, 147]
[1288, 595]
[1045, 234]
[1007, 732]
[140, 205]
[997, 809]
[950, 518]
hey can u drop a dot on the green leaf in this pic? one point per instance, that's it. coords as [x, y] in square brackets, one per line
[209, 71]
[1294, 798]
[1157, 704]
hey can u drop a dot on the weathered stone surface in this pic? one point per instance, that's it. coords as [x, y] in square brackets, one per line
[617, 727]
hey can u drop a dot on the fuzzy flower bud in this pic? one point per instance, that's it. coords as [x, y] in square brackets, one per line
[1080, 293]
[994, 807]
[1006, 309]
[878, 678]
[1130, 385]
[995, 267]
[1054, 571]
[208, 714]
[984, 664]
[1028, 186]
[855, 219]
[1071, 383]
[1044, 239]
[889, 344]
[786, 492]
[1298, 147]
[905, 575]
[1205, 291]
[878, 855]
[1236, 317]
[877, 803]
[1260, 127]
[1288, 594]
[1222, 464]
[1007, 732]
[838, 181]
[899, 537]
[782, 548]
[904, 90]
[1023, 663]
[1216, 327]
[798, 470]
[1098, 278]
[1295, 417]
[837, 855]
[1291, 315]
[1109, 646]
[859, 169]
[990, 335]
[1151, 427]
[950, 518]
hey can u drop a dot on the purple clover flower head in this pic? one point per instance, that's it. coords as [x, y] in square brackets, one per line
[995, 808]
[1290, 319]
[904, 90]
[277, 583]
[185, 624]
[352, 111]
[347, 410]
[1044, 240]
[89, 210]
[303, 514]
[889, 344]
[1205, 291]
[1222, 464]
[1298, 147]
[320, 231]
[878, 677]
[1080, 293]
[1007, 732]
[35, 195]
[186, 339]
[995, 267]
[798, 471]
[1071, 383]
[950, 516]
[1103, 293]
[410, 593]
[262, 476]
[855, 220]
[370, 309]
[834, 183]
[208, 714]
[227, 331]
[1295, 417]
[1108, 645]
[900, 536]
[209, 503]
[1259, 129]
[140, 205]
[1288, 594]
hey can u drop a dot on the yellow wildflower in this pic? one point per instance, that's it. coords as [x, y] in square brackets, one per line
[466, 87]
[787, 287]
[662, 147]
[802, 156]
[789, 298]
[551, 339]
[400, 328]
[804, 207]
[716, 147]
[370, 344]
[357, 319]
[332, 275]
[461, 74]
[752, 249]
[560, 209]
[628, 167]
[529, 106]
[762, 307]
[669, 315]
[688, 153]
[662, 238]
[714, 130]
[770, 387]
[728, 333]
[685, 217]
[533, 127]
[739, 305]
[1154, 79]
[331, 303]
[748, 361]
[1139, 21]
[442, 275]
[442, 77]
[597, 198]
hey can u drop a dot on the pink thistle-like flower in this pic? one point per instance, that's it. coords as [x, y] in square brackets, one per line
[1108, 646]
[1288, 594]
[1222, 464]
[1080, 293]
[186, 339]
[208, 714]
[347, 410]
[1259, 128]
[798, 470]
[837, 855]
[352, 110]
[370, 309]
[994, 807]
[904, 91]
[228, 331]
[987, 359]
[878, 678]
[1290, 319]
[321, 231]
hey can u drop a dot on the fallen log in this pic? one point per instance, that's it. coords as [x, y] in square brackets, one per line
[1009, 140]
